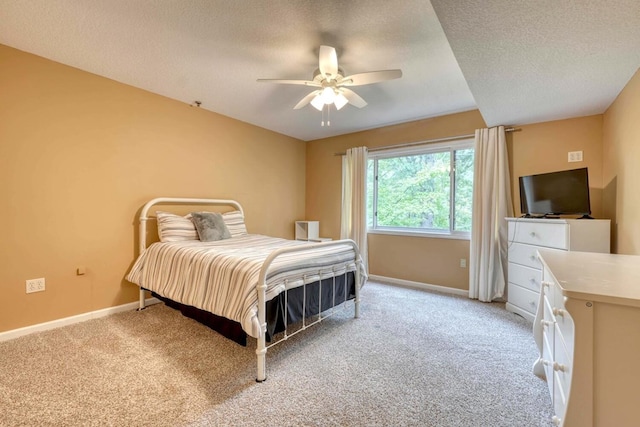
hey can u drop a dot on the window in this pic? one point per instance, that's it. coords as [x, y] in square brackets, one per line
[425, 189]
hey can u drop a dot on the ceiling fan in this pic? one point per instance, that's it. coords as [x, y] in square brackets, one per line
[333, 85]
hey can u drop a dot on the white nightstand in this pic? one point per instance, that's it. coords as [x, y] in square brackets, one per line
[309, 231]
[320, 239]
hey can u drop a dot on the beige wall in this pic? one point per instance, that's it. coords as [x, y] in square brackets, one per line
[544, 147]
[79, 156]
[418, 259]
[621, 168]
[535, 148]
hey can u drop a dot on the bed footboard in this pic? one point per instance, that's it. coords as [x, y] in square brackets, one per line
[261, 350]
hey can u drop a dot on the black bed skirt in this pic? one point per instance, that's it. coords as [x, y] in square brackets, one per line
[276, 307]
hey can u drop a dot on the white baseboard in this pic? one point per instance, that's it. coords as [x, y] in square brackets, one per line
[419, 285]
[15, 333]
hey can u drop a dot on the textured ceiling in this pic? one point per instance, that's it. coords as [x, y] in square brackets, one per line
[524, 61]
[534, 61]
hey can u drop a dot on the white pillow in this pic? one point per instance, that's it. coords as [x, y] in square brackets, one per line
[175, 228]
[235, 223]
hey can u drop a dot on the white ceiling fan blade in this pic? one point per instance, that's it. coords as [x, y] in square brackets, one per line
[353, 98]
[304, 101]
[291, 82]
[370, 77]
[328, 62]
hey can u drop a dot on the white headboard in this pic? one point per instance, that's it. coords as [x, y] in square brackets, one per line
[142, 227]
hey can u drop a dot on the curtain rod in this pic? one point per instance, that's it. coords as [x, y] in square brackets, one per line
[430, 141]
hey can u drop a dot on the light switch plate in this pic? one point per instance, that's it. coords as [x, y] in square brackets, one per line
[575, 156]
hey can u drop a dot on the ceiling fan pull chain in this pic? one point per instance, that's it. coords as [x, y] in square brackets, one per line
[322, 123]
[328, 115]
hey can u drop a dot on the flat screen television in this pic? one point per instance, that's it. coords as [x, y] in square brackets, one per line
[555, 193]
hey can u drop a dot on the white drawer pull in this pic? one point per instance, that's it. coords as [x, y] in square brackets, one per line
[533, 257]
[558, 311]
[559, 367]
[546, 284]
[533, 280]
[545, 323]
[556, 420]
[532, 234]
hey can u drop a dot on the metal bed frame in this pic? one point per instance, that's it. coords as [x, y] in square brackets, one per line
[262, 347]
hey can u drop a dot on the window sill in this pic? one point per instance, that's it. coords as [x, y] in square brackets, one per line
[430, 235]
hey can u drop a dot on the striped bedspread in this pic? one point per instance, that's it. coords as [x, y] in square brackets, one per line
[221, 277]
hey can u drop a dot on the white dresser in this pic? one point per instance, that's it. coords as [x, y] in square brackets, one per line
[527, 235]
[587, 330]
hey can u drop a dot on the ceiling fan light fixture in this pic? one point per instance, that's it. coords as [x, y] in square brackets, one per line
[328, 95]
[332, 87]
[317, 102]
[340, 101]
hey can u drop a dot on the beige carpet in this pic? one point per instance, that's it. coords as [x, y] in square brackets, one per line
[413, 358]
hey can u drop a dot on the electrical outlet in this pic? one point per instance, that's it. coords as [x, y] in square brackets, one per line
[35, 285]
[463, 263]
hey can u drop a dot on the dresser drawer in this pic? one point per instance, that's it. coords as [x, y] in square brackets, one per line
[524, 254]
[523, 298]
[546, 288]
[564, 325]
[562, 365]
[547, 358]
[526, 277]
[550, 235]
[547, 313]
[556, 297]
[548, 326]
[559, 399]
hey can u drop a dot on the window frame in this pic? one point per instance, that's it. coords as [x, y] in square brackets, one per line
[449, 146]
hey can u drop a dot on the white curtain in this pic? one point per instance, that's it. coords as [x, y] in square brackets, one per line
[353, 223]
[491, 205]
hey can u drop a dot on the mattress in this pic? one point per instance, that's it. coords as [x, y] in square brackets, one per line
[221, 277]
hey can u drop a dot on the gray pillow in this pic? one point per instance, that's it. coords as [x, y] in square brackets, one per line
[210, 226]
